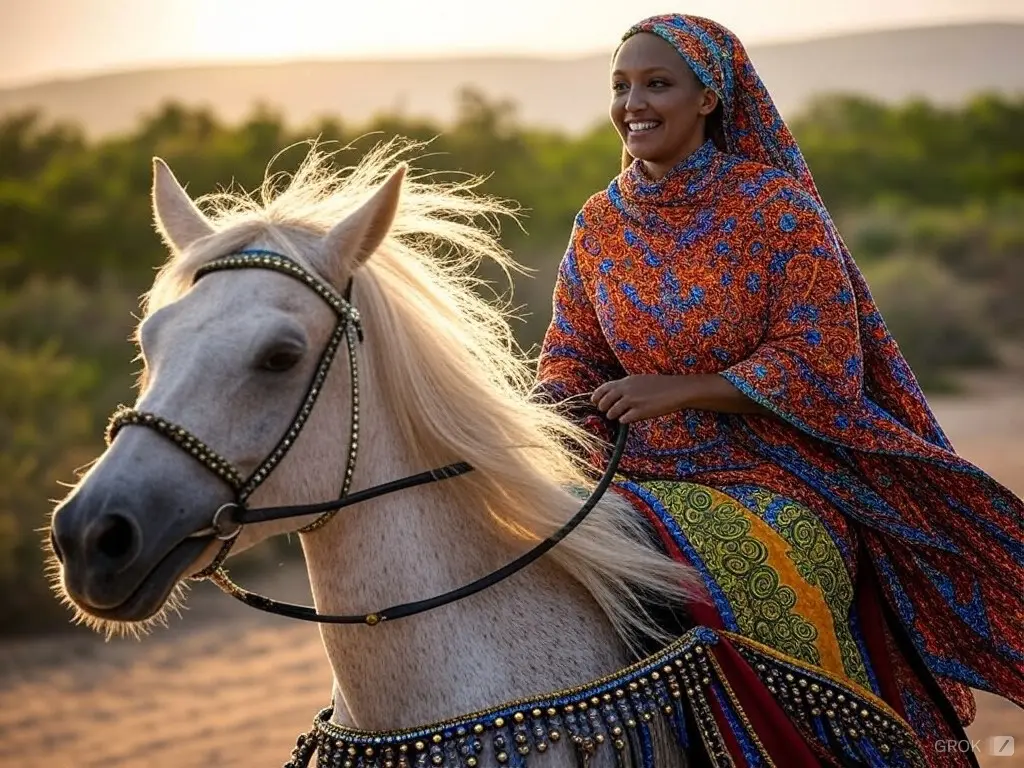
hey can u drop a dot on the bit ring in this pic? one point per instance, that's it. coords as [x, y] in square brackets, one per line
[218, 525]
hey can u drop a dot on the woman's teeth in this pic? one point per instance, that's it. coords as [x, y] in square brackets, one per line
[647, 125]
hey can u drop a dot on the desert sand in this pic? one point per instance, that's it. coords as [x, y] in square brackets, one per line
[226, 686]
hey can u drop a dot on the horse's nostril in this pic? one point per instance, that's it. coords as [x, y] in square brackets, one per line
[115, 537]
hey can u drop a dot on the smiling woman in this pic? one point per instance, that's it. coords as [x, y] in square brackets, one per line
[780, 442]
[660, 109]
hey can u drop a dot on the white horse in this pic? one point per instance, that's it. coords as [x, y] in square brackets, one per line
[228, 359]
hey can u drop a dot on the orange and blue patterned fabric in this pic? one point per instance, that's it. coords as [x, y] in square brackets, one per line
[731, 264]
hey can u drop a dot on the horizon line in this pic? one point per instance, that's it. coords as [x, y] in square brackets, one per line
[57, 77]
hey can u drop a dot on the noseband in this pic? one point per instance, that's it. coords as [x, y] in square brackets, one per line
[228, 520]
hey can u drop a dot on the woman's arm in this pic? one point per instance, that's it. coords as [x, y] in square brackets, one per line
[808, 367]
[635, 398]
[575, 356]
[713, 392]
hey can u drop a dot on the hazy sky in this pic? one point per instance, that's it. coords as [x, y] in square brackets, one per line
[45, 38]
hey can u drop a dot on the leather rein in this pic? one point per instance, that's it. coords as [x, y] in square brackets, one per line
[229, 519]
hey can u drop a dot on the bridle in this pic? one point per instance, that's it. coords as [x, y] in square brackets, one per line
[228, 520]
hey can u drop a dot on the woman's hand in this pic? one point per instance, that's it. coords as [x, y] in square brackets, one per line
[636, 398]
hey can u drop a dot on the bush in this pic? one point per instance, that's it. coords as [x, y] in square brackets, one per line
[46, 432]
[939, 322]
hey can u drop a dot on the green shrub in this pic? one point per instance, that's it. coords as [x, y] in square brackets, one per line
[938, 320]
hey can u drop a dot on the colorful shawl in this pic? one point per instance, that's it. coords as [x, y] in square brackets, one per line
[858, 436]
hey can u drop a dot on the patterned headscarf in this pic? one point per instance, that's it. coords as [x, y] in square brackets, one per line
[752, 128]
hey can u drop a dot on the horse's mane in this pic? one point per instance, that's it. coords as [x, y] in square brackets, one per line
[472, 395]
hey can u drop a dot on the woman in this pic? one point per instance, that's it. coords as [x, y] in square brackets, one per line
[707, 300]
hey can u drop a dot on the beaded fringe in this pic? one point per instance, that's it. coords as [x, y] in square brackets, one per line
[676, 685]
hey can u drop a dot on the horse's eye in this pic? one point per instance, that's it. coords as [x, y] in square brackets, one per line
[280, 360]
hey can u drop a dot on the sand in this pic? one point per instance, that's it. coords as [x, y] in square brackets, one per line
[227, 687]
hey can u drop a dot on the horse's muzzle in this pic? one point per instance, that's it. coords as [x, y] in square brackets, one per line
[112, 568]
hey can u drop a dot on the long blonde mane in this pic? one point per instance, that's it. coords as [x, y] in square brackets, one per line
[457, 384]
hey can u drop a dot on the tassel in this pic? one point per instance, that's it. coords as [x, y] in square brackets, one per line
[305, 745]
[643, 731]
[679, 727]
[540, 736]
[635, 748]
[502, 745]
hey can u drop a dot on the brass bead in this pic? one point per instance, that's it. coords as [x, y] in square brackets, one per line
[518, 717]
[499, 722]
[471, 761]
[420, 746]
[436, 738]
[503, 757]
[478, 728]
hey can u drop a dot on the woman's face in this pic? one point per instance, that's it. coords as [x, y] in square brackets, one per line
[658, 105]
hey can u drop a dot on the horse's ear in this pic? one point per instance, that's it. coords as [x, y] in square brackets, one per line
[177, 219]
[353, 240]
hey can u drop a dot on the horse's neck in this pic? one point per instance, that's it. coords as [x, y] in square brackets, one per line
[533, 633]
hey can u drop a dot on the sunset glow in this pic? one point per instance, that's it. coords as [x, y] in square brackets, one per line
[51, 38]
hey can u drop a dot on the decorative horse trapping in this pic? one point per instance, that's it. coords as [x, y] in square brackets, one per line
[684, 687]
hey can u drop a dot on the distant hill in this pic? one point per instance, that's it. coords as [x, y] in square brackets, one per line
[942, 64]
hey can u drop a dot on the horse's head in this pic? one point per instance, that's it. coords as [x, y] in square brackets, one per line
[229, 359]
